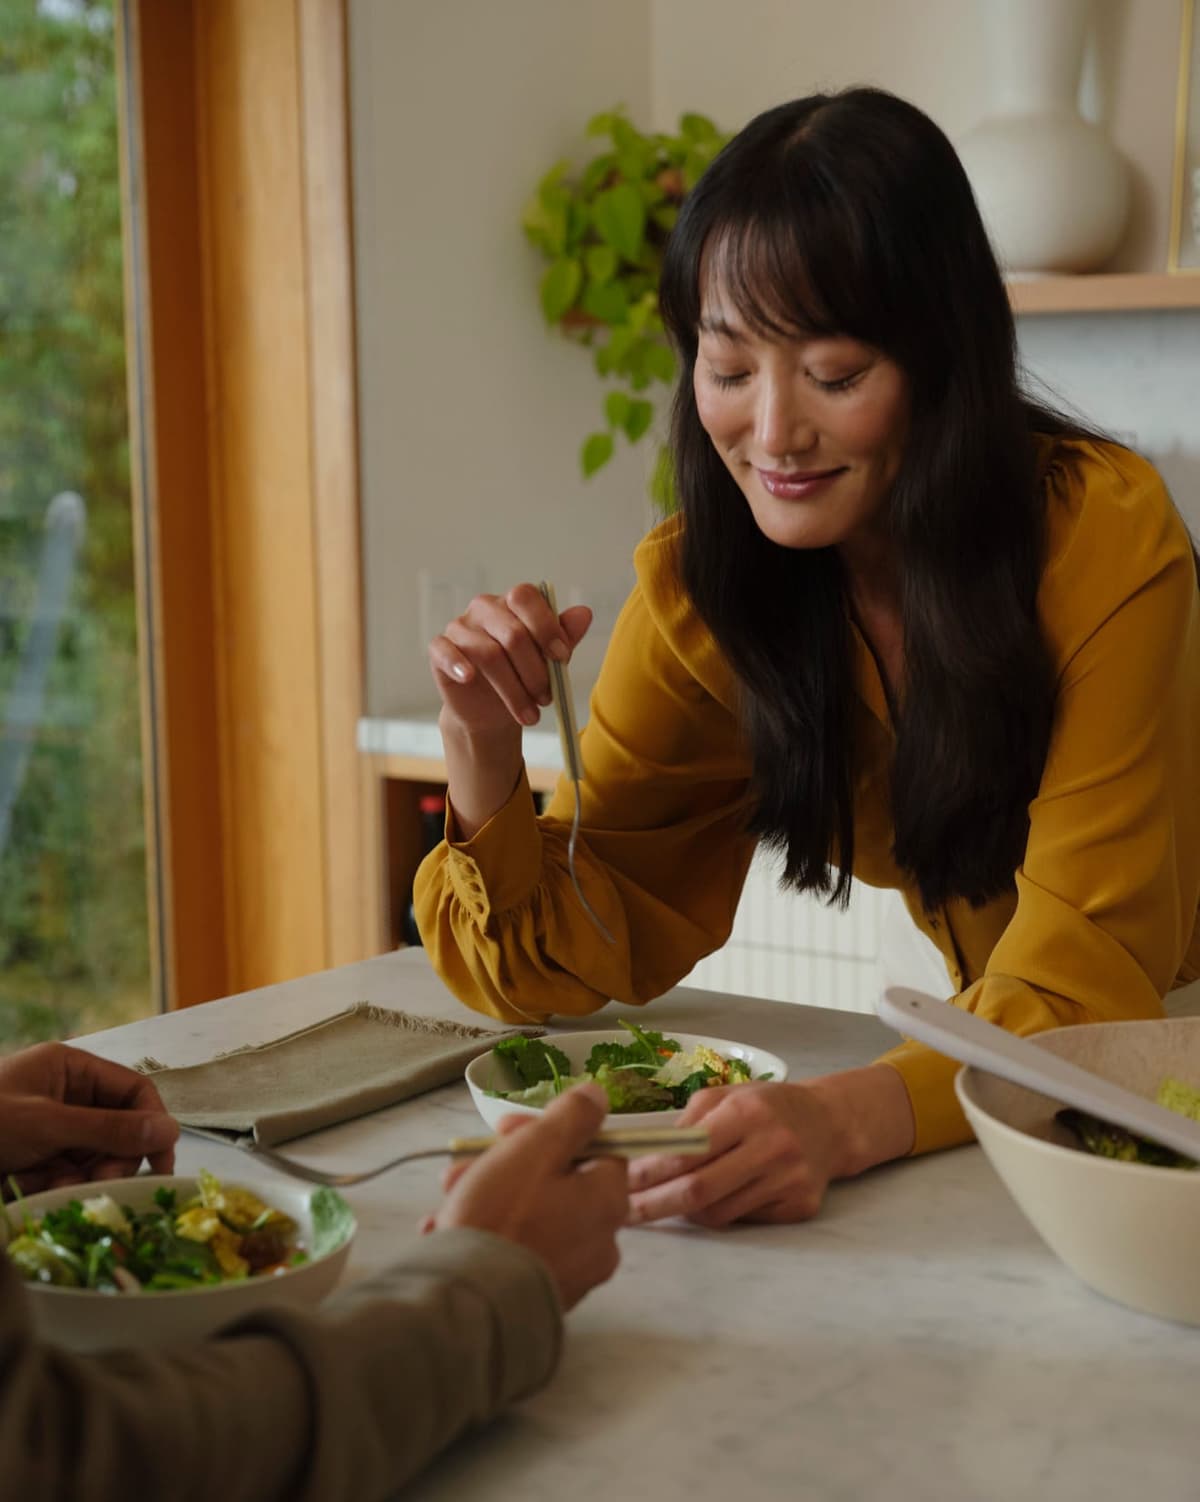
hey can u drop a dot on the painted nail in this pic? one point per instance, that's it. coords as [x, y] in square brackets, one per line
[459, 672]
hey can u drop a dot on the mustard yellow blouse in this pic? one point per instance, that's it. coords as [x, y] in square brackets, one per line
[1101, 923]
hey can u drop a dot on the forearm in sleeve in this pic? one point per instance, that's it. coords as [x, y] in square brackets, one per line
[287, 1404]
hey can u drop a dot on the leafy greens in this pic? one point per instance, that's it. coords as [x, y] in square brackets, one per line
[221, 1234]
[649, 1073]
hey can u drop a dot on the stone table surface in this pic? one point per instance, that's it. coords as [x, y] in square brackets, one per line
[916, 1342]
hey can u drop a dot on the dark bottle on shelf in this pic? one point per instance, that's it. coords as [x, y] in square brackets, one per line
[432, 808]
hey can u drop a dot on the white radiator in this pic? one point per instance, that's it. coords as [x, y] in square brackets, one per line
[794, 948]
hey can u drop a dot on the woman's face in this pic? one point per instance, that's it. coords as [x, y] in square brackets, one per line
[812, 429]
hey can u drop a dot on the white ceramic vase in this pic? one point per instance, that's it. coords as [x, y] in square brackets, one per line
[1052, 188]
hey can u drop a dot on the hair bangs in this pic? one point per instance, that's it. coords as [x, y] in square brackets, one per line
[784, 254]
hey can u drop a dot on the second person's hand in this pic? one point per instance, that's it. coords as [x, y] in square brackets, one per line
[529, 1189]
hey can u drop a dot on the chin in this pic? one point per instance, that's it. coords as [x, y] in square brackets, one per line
[795, 530]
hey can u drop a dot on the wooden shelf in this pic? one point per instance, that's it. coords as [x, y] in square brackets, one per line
[1123, 292]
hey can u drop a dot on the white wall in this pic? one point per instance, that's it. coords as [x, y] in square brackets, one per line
[929, 51]
[471, 411]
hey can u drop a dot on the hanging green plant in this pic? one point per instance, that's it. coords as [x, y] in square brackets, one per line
[603, 228]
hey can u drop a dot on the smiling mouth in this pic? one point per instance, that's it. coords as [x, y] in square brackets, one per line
[796, 483]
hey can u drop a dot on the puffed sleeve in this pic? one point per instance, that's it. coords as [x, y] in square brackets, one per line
[662, 853]
[1108, 891]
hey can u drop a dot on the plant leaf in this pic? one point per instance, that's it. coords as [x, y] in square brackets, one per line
[608, 301]
[660, 363]
[597, 451]
[560, 287]
[697, 128]
[662, 483]
[602, 124]
[601, 263]
[620, 216]
[638, 417]
[616, 408]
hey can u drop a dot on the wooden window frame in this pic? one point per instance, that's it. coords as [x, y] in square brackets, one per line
[263, 820]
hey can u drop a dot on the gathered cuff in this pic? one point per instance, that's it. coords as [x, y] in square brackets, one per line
[499, 867]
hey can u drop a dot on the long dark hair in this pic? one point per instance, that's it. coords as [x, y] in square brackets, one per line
[851, 214]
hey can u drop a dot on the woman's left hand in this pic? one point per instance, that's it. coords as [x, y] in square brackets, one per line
[773, 1154]
[777, 1147]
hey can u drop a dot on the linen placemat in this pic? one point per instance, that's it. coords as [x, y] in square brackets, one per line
[354, 1062]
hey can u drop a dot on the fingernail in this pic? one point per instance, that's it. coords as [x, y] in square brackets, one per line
[459, 672]
[559, 650]
[530, 717]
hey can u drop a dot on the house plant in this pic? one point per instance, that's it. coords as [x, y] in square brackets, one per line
[602, 229]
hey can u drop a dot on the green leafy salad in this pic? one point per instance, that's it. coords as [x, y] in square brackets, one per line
[649, 1073]
[219, 1235]
[1108, 1141]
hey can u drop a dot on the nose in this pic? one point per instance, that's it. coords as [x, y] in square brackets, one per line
[782, 425]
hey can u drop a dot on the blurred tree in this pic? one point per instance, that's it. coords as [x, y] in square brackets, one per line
[73, 932]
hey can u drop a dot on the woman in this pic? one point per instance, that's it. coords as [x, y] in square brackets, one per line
[910, 626]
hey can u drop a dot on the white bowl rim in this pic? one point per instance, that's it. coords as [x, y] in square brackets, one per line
[203, 1290]
[1055, 1149]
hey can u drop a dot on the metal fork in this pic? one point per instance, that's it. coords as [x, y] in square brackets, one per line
[618, 1142]
[568, 734]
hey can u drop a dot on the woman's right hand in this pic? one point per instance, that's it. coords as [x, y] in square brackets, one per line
[489, 663]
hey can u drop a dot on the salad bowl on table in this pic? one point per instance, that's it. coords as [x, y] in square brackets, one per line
[1122, 1220]
[88, 1319]
[492, 1076]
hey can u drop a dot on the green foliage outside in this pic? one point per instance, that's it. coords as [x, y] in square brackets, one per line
[602, 229]
[73, 926]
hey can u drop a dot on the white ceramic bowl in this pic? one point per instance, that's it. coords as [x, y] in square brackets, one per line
[1129, 1230]
[487, 1072]
[86, 1320]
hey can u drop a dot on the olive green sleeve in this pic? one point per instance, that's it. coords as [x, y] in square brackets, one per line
[296, 1406]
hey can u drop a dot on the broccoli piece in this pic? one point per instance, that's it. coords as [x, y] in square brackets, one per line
[533, 1059]
[1108, 1141]
[630, 1090]
[645, 1052]
[739, 1072]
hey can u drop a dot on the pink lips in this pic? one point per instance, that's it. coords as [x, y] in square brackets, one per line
[797, 484]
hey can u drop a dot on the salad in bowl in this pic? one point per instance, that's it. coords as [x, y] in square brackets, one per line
[648, 1076]
[161, 1258]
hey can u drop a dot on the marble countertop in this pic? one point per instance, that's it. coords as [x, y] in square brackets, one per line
[916, 1342]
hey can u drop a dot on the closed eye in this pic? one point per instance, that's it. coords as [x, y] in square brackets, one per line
[726, 381]
[843, 383]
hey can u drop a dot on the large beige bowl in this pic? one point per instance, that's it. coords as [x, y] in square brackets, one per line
[86, 1320]
[1128, 1230]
